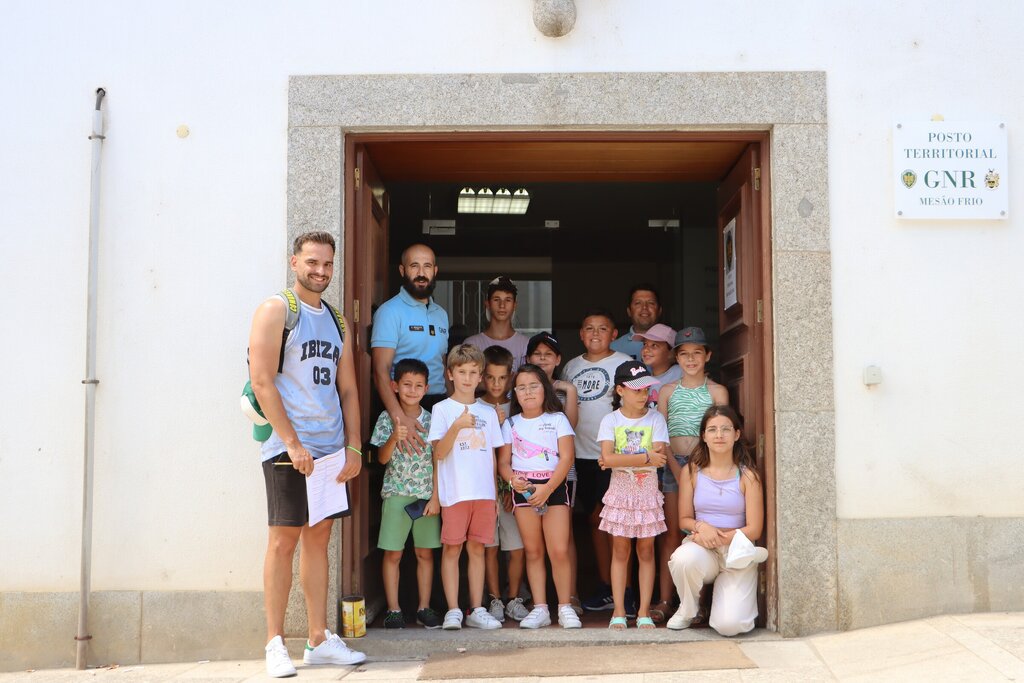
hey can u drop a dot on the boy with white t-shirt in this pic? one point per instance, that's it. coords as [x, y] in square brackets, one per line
[591, 373]
[464, 435]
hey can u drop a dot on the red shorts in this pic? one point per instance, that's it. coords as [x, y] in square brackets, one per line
[472, 520]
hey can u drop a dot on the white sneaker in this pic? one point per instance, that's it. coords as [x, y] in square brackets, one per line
[279, 663]
[515, 609]
[567, 617]
[481, 618]
[452, 620]
[677, 622]
[538, 617]
[497, 609]
[332, 651]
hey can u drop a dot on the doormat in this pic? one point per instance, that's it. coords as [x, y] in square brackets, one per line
[584, 661]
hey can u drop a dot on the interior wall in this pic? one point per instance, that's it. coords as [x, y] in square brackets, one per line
[603, 245]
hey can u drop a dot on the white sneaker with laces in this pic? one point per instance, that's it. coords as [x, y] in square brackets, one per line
[567, 617]
[332, 651]
[677, 622]
[515, 609]
[452, 620]
[279, 663]
[538, 617]
[481, 618]
[497, 609]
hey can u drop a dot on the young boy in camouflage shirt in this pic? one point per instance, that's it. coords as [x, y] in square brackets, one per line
[409, 490]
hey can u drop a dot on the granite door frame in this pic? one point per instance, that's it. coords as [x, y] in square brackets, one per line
[791, 106]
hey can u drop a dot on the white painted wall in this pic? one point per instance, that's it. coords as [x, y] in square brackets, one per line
[193, 238]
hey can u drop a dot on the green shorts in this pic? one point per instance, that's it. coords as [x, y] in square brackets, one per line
[395, 524]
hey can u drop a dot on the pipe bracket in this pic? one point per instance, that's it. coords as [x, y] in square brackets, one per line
[90, 381]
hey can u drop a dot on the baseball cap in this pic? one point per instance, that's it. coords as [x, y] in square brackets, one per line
[690, 335]
[261, 428]
[502, 284]
[545, 338]
[635, 375]
[658, 333]
[742, 553]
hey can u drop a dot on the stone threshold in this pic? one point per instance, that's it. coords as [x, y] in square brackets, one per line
[416, 642]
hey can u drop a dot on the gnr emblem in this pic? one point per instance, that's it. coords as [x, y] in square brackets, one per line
[909, 178]
[991, 179]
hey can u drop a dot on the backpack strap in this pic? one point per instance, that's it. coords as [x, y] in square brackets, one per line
[338, 320]
[291, 319]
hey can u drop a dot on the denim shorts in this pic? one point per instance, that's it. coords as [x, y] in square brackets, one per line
[668, 480]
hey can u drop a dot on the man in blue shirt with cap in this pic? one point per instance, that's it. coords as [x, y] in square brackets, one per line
[411, 325]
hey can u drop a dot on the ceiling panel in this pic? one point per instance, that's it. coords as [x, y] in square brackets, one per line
[554, 161]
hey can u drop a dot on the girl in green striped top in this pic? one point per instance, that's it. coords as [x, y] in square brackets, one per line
[683, 404]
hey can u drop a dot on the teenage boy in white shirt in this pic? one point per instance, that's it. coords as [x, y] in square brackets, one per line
[501, 307]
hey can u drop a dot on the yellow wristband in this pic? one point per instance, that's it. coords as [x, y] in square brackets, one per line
[353, 448]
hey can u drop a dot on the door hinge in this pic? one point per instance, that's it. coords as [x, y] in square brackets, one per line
[760, 447]
[358, 176]
[760, 310]
[355, 310]
[757, 178]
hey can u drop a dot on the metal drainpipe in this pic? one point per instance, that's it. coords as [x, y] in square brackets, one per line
[90, 382]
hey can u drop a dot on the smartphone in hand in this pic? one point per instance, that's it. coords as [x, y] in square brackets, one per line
[415, 509]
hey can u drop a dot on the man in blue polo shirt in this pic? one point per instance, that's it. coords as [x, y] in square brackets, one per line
[411, 325]
[644, 310]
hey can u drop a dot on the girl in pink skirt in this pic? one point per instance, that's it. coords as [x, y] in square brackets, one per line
[634, 443]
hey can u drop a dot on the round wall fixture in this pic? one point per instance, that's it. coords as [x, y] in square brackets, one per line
[554, 18]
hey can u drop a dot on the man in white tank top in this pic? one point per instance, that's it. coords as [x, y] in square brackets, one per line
[301, 401]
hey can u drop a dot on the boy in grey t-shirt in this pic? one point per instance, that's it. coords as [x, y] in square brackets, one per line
[592, 373]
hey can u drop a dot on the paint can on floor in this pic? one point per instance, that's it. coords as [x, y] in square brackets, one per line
[353, 616]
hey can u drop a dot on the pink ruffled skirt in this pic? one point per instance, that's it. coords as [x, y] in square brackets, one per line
[633, 505]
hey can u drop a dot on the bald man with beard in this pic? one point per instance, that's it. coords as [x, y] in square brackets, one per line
[411, 325]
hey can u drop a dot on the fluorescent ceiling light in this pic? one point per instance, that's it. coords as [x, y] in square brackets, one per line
[467, 200]
[520, 201]
[502, 201]
[484, 201]
[487, 201]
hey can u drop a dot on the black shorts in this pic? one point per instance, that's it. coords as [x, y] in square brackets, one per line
[560, 496]
[286, 493]
[591, 485]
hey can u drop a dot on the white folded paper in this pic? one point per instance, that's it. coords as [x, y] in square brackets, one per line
[324, 494]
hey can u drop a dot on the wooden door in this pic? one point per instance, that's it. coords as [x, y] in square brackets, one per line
[366, 241]
[744, 348]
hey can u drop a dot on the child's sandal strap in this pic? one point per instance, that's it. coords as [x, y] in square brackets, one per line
[645, 623]
[617, 623]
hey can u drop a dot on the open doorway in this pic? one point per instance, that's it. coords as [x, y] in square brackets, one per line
[606, 211]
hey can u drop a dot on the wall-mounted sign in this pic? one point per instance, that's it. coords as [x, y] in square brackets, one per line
[950, 170]
[729, 264]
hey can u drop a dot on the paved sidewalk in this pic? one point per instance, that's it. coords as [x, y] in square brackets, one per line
[967, 647]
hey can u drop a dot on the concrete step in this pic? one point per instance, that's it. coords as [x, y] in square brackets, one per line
[416, 642]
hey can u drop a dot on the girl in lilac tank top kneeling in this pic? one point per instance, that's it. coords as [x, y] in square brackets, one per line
[720, 497]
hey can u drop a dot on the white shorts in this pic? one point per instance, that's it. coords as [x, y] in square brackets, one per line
[508, 532]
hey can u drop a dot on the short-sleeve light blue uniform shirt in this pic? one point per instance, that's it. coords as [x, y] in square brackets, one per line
[626, 345]
[414, 330]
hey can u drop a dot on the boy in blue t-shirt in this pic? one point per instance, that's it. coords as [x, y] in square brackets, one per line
[408, 480]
